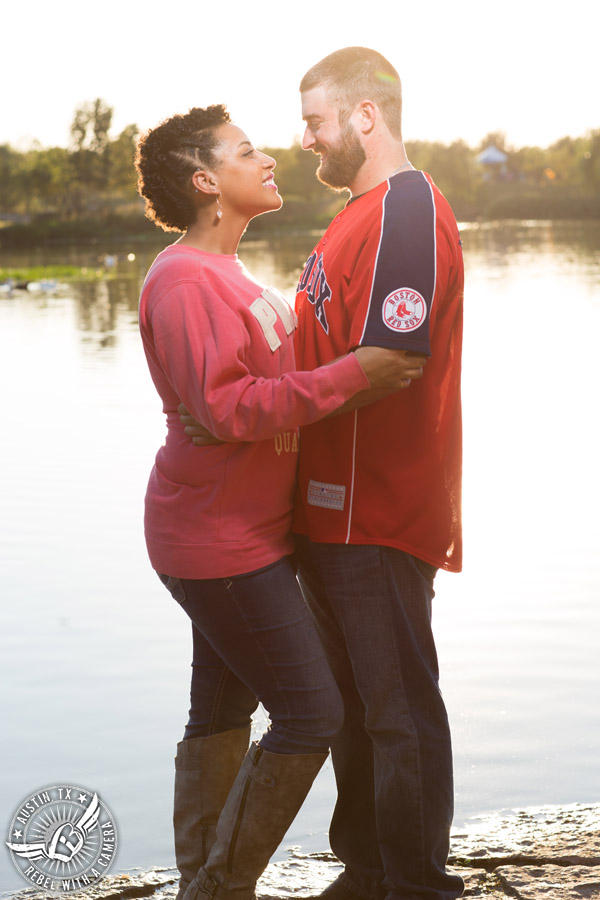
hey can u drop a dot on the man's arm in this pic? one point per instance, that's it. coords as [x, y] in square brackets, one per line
[397, 367]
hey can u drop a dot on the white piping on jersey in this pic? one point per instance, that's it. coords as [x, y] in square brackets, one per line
[360, 342]
[376, 260]
[433, 292]
[361, 338]
[351, 498]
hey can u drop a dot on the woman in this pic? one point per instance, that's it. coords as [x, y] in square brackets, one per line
[217, 517]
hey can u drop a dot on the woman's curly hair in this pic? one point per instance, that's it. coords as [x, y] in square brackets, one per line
[167, 156]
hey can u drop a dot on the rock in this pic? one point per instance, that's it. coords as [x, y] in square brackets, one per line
[546, 853]
[553, 882]
[564, 835]
[115, 887]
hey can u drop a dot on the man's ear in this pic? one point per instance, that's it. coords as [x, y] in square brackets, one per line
[204, 181]
[365, 116]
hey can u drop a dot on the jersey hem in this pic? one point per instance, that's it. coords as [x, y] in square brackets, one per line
[395, 545]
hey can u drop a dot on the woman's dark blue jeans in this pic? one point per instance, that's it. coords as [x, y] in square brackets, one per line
[254, 639]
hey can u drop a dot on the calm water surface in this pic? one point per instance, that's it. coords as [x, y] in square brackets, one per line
[95, 656]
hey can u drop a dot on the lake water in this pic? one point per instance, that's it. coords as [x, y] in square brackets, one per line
[95, 655]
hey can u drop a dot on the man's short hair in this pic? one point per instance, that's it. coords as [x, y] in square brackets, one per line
[354, 74]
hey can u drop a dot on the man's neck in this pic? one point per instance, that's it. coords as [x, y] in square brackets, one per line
[378, 166]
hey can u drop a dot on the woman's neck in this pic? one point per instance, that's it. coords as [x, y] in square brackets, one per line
[214, 235]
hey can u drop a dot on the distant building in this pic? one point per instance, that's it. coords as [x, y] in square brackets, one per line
[494, 162]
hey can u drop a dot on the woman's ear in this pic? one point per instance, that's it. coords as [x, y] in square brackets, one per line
[204, 182]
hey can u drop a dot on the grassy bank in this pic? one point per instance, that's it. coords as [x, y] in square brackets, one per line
[66, 274]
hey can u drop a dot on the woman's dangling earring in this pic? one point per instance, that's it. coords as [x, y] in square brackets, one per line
[219, 207]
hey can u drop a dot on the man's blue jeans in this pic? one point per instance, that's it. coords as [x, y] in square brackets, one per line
[255, 639]
[392, 758]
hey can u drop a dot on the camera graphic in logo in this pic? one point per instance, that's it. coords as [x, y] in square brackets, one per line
[62, 838]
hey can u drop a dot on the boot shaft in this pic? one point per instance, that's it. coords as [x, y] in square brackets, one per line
[205, 769]
[264, 800]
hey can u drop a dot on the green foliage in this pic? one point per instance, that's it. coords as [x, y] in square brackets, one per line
[89, 189]
[122, 176]
[9, 165]
[454, 170]
[93, 177]
[562, 181]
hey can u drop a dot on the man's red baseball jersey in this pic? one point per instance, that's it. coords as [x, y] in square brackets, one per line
[388, 272]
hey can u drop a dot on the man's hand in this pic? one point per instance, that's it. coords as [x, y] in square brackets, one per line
[387, 370]
[200, 435]
[390, 370]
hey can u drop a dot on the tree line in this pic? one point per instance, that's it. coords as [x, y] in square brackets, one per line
[89, 187]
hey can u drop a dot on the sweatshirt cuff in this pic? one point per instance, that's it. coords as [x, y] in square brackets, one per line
[347, 377]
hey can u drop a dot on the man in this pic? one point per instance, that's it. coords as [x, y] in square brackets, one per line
[378, 501]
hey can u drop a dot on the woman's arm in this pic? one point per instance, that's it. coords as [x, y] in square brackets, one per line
[198, 343]
[202, 437]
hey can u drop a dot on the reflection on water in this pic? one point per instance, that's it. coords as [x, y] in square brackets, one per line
[94, 654]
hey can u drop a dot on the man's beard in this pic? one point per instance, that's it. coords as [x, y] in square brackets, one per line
[343, 162]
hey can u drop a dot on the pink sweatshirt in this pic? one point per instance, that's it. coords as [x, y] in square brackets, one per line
[222, 343]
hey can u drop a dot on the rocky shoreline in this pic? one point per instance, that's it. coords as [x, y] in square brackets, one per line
[550, 852]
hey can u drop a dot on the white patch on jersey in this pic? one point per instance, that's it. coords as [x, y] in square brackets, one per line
[404, 310]
[329, 496]
[267, 308]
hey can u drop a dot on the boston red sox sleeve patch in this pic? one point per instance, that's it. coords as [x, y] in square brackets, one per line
[404, 310]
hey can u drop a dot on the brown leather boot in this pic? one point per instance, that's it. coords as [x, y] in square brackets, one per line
[264, 799]
[205, 769]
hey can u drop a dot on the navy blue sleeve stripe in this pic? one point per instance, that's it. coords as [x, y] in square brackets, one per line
[403, 285]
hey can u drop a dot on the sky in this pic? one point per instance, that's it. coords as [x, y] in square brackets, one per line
[524, 68]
